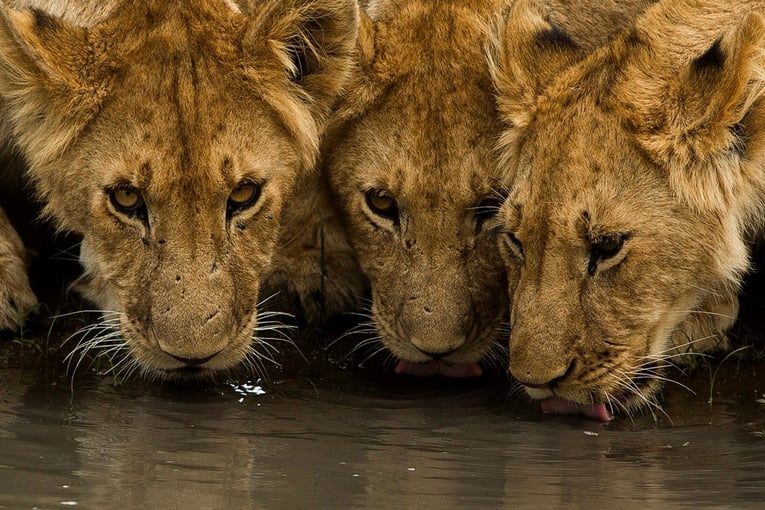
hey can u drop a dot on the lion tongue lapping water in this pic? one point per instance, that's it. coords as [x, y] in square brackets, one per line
[557, 405]
[438, 367]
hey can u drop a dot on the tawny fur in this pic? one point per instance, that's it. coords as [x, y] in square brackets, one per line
[16, 296]
[655, 140]
[418, 122]
[182, 101]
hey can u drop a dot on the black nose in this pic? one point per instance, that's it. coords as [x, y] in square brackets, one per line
[194, 361]
[437, 355]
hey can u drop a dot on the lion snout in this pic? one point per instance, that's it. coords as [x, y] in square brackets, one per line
[193, 326]
[536, 365]
[436, 328]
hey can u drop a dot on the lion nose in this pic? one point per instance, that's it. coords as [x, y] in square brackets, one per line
[437, 355]
[530, 381]
[194, 361]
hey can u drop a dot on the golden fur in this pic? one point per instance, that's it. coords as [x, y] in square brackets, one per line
[183, 104]
[16, 296]
[419, 125]
[314, 273]
[637, 181]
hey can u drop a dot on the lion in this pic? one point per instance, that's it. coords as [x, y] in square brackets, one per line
[314, 275]
[636, 184]
[411, 165]
[16, 296]
[170, 135]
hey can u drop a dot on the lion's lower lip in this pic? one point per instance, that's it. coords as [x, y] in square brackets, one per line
[557, 405]
[438, 367]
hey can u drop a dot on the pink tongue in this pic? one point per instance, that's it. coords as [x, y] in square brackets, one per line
[557, 405]
[436, 367]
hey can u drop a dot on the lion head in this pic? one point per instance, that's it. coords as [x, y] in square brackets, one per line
[411, 163]
[410, 166]
[636, 180]
[169, 135]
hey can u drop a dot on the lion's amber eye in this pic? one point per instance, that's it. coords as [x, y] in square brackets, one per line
[243, 196]
[126, 199]
[382, 204]
[243, 193]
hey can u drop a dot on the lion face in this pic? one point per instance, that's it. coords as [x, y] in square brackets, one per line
[623, 239]
[413, 176]
[199, 221]
[606, 264]
[171, 148]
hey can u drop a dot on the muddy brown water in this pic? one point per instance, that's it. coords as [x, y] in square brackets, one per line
[350, 439]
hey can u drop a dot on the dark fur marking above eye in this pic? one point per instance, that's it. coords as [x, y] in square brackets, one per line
[227, 165]
[151, 18]
[555, 37]
[713, 57]
[44, 21]
[633, 38]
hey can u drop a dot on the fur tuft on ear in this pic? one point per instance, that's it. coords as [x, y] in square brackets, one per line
[524, 51]
[48, 81]
[363, 86]
[314, 39]
[692, 91]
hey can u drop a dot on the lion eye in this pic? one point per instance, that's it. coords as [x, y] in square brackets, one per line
[382, 204]
[126, 199]
[243, 196]
[604, 248]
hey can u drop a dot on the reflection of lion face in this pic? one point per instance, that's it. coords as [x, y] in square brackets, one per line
[413, 174]
[171, 148]
[622, 235]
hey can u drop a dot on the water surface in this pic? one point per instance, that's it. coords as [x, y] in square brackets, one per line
[355, 442]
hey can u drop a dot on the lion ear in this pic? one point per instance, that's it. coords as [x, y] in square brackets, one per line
[365, 82]
[314, 39]
[525, 51]
[691, 88]
[46, 79]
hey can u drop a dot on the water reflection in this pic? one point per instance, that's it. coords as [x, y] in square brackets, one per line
[323, 446]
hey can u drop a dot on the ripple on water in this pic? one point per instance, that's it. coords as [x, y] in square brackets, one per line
[313, 444]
